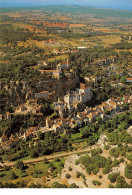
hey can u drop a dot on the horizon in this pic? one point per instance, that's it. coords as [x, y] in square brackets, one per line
[110, 4]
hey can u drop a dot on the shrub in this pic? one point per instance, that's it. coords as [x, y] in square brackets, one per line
[96, 182]
[109, 161]
[115, 163]
[110, 186]
[58, 185]
[128, 171]
[94, 152]
[34, 154]
[56, 159]
[121, 160]
[69, 169]
[77, 162]
[106, 147]
[73, 185]
[68, 176]
[78, 174]
[112, 177]
[114, 152]
[121, 183]
[107, 169]
[45, 161]
[96, 170]
[61, 164]
[100, 176]
[19, 165]
[51, 166]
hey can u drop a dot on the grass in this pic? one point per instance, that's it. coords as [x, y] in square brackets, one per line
[62, 57]
[6, 175]
[57, 165]
[20, 173]
[75, 136]
[42, 167]
[109, 39]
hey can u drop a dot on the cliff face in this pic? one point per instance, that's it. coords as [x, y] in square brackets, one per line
[60, 87]
[20, 92]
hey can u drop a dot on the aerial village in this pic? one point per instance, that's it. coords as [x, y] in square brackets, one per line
[70, 107]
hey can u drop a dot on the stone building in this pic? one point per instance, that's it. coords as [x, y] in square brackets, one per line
[81, 95]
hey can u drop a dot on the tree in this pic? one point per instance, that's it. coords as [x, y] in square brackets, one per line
[34, 154]
[68, 176]
[121, 183]
[123, 79]
[85, 132]
[19, 165]
[58, 185]
[112, 177]
[107, 169]
[51, 166]
[128, 171]
[73, 185]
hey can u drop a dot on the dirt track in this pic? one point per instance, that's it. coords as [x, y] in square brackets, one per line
[48, 157]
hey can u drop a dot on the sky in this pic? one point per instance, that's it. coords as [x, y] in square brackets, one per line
[116, 4]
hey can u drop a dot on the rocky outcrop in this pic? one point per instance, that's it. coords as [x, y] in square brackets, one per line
[20, 92]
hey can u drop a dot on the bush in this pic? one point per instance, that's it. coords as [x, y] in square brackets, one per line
[51, 166]
[34, 154]
[73, 185]
[100, 176]
[21, 184]
[19, 165]
[56, 159]
[115, 163]
[114, 152]
[121, 160]
[96, 182]
[58, 185]
[106, 147]
[107, 169]
[96, 170]
[77, 162]
[68, 176]
[61, 164]
[112, 177]
[69, 169]
[121, 183]
[110, 186]
[128, 171]
[78, 174]
[94, 152]
[45, 161]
